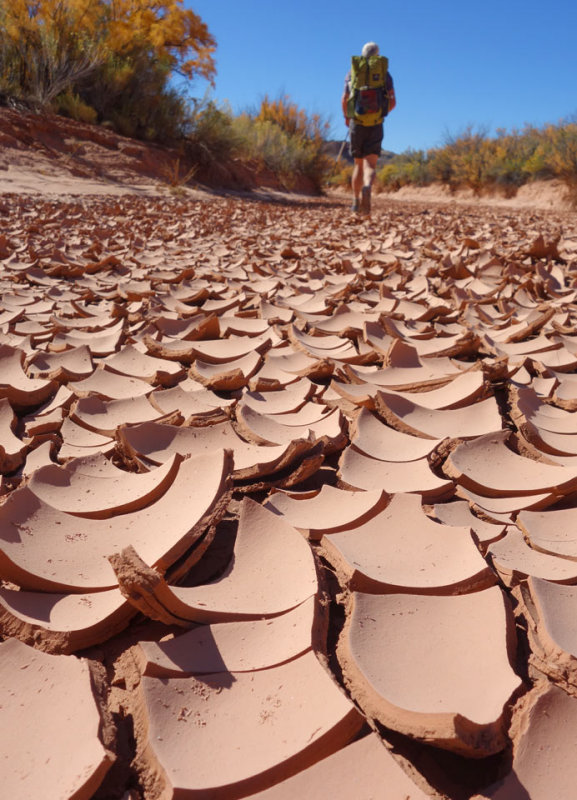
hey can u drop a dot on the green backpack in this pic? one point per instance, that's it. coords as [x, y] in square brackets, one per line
[368, 103]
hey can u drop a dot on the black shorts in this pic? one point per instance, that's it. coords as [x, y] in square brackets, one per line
[366, 140]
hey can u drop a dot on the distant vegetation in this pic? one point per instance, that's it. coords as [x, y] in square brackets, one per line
[113, 62]
[502, 163]
[279, 137]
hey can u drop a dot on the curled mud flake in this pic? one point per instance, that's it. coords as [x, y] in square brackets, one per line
[360, 769]
[249, 588]
[543, 729]
[73, 758]
[15, 386]
[192, 503]
[112, 491]
[237, 646]
[270, 724]
[379, 556]
[465, 637]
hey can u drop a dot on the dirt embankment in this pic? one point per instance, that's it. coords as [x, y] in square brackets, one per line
[550, 195]
[49, 154]
[46, 153]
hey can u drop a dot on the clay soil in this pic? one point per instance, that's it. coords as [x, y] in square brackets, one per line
[292, 322]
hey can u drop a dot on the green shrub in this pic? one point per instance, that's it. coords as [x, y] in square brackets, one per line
[70, 105]
[340, 175]
[133, 94]
[409, 168]
[211, 133]
[563, 153]
[476, 161]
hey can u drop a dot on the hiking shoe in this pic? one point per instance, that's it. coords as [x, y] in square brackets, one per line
[366, 200]
[355, 208]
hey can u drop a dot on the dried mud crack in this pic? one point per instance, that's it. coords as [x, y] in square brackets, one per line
[288, 500]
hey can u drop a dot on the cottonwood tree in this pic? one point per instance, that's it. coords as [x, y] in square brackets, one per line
[47, 45]
[173, 34]
[50, 46]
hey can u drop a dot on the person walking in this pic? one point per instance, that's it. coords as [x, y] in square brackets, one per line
[369, 95]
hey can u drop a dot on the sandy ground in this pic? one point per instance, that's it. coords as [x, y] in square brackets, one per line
[540, 195]
[19, 180]
[39, 175]
[48, 180]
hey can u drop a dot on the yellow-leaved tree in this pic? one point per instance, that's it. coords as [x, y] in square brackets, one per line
[115, 57]
[46, 46]
[292, 119]
[172, 34]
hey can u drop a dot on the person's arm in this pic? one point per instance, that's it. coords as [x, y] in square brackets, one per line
[344, 104]
[391, 92]
[345, 100]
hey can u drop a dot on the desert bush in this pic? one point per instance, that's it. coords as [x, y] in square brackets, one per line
[504, 162]
[340, 175]
[411, 167]
[285, 139]
[441, 168]
[392, 176]
[511, 159]
[295, 121]
[47, 46]
[538, 164]
[287, 155]
[562, 150]
[292, 140]
[135, 96]
[469, 154]
[177, 175]
[212, 133]
[70, 105]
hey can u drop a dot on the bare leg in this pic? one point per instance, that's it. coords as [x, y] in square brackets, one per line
[370, 166]
[369, 172]
[358, 177]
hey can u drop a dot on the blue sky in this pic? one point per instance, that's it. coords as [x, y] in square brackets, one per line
[491, 64]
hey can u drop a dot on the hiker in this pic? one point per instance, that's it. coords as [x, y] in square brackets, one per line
[368, 97]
